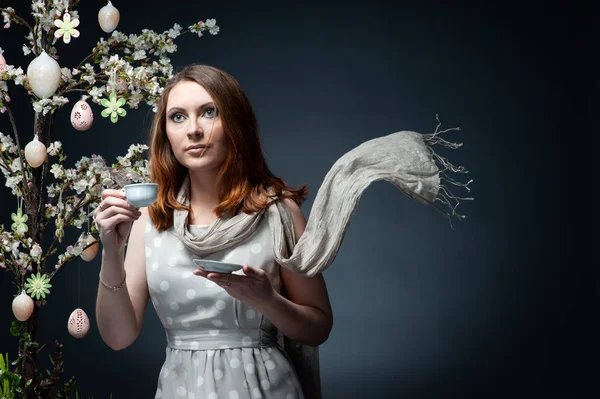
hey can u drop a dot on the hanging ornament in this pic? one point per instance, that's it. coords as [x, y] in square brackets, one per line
[82, 116]
[91, 251]
[79, 323]
[20, 222]
[2, 62]
[22, 306]
[66, 28]
[38, 285]
[113, 107]
[108, 18]
[43, 75]
[35, 152]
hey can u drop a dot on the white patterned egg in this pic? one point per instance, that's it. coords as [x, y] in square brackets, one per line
[79, 323]
[82, 116]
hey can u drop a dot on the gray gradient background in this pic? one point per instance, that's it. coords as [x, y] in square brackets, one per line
[506, 305]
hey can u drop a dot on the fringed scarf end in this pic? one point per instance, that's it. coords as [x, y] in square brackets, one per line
[445, 196]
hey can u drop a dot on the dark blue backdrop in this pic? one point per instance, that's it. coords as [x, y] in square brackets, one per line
[506, 305]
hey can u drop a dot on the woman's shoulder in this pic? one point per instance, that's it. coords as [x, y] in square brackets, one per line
[296, 213]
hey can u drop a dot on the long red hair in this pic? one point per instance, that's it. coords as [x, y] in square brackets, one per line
[244, 179]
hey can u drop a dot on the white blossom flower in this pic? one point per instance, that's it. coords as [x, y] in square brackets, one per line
[54, 148]
[57, 170]
[36, 252]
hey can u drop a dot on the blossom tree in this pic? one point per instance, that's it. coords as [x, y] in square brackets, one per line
[122, 71]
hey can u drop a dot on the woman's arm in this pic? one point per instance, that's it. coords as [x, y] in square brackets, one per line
[304, 316]
[120, 312]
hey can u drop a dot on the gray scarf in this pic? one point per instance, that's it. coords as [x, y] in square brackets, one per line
[404, 159]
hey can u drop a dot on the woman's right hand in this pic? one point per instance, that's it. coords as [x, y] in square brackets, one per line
[114, 217]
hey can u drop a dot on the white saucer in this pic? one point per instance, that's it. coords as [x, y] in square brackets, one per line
[216, 266]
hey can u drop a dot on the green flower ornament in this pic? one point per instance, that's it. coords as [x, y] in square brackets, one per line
[38, 286]
[113, 108]
[66, 28]
[20, 222]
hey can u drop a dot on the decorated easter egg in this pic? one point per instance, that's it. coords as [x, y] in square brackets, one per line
[35, 152]
[82, 116]
[108, 17]
[90, 252]
[43, 75]
[79, 323]
[22, 306]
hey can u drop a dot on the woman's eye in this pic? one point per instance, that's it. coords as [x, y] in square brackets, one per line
[177, 118]
[210, 113]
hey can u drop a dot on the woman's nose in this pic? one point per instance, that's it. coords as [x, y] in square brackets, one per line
[195, 128]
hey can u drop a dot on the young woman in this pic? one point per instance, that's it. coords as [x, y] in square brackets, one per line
[206, 157]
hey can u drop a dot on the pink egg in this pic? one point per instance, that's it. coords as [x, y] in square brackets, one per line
[82, 116]
[79, 323]
[2, 64]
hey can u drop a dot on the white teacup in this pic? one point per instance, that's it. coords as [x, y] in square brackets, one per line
[141, 194]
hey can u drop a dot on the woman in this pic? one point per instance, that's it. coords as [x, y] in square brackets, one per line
[221, 329]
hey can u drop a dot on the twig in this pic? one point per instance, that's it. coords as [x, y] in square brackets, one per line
[4, 164]
[84, 60]
[21, 156]
[41, 199]
[24, 22]
[77, 207]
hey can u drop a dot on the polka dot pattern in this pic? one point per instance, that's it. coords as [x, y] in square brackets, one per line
[265, 384]
[235, 367]
[218, 374]
[270, 365]
[187, 274]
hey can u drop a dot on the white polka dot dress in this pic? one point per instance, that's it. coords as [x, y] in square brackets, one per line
[217, 346]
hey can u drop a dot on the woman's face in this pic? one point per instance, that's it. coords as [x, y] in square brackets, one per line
[191, 120]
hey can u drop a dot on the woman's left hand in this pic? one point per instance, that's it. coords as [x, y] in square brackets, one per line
[253, 288]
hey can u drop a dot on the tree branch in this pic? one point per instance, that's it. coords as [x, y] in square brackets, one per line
[77, 207]
[42, 197]
[20, 153]
[23, 22]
